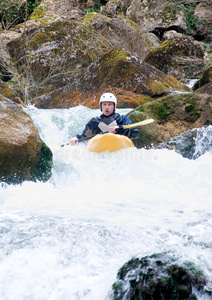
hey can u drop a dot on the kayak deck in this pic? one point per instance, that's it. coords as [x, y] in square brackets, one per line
[109, 142]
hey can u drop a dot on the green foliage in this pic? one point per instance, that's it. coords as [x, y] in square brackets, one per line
[91, 10]
[189, 107]
[191, 19]
[13, 13]
[188, 10]
[192, 109]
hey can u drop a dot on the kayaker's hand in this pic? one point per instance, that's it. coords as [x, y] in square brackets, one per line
[73, 141]
[113, 129]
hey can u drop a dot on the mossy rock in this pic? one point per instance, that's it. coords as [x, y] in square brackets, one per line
[122, 70]
[159, 276]
[179, 57]
[38, 13]
[185, 107]
[8, 92]
[173, 115]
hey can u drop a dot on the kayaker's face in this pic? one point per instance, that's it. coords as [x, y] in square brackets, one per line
[107, 108]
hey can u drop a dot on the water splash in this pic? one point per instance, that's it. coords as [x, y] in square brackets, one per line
[67, 238]
[203, 141]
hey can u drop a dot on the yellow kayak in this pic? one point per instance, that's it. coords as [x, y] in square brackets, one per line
[109, 142]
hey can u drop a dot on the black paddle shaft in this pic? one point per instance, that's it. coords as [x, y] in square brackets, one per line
[85, 138]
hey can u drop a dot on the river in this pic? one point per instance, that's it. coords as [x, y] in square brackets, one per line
[66, 239]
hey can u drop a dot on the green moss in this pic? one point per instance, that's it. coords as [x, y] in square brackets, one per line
[189, 107]
[38, 13]
[192, 108]
[196, 271]
[89, 16]
[40, 38]
[117, 287]
[110, 66]
[133, 24]
[165, 46]
[92, 17]
[6, 91]
[162, 110]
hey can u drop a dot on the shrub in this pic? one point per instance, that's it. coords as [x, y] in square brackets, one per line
[13, 12]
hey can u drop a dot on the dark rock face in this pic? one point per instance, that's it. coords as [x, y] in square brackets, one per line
[158, 276]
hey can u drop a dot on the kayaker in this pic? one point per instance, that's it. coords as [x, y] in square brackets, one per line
[109, 120]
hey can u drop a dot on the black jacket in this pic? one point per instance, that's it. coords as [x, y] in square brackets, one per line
[92, 126]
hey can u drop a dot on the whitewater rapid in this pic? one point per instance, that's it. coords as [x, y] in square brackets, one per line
[66, 238]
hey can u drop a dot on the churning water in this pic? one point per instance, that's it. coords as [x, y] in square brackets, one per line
[66, 239]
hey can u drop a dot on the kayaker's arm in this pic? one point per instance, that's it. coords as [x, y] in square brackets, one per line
[91, 128]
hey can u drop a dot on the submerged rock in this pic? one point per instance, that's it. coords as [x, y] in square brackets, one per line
[158, 276]
[192, 143]
[23, 155]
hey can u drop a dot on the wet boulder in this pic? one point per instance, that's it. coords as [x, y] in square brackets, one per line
[23, 155]
[188, 143]
[158, 276]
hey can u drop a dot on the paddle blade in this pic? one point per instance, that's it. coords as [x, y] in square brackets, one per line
[145, 122]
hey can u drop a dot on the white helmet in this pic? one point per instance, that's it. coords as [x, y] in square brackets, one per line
[108, 97]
